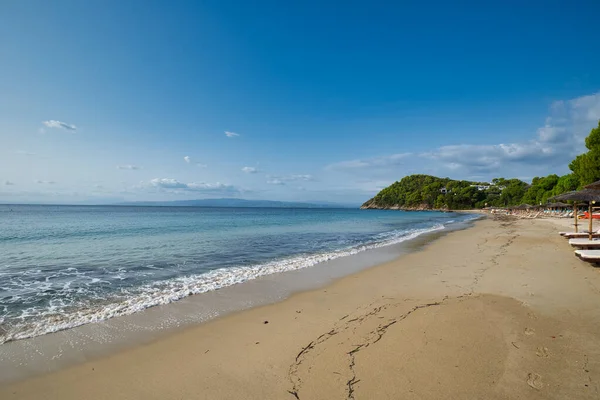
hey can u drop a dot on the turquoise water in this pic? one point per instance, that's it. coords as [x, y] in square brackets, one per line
[64, 266]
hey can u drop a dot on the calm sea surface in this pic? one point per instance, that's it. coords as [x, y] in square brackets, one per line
[64, 266]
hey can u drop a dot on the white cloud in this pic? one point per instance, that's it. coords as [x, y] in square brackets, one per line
[250, 170]
[550, 133]
[129, 166]
[8, 183]
[174, 186]
[231, 134]
[374, 162]
[189, 160]
[586, 108]
[549, 150]
[555, 144]
[59, 125]
[490, 158]
[167, 183]
[202, 186]
[24, 153]
[40, 182]
[275, 182]
[299, 177]
[291, 178]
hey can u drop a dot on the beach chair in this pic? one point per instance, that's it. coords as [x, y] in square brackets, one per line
[531, 216]
[580, 234]
[589, 255]
[585, 243]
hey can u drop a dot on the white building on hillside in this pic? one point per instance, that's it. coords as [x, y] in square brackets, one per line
[481, 187]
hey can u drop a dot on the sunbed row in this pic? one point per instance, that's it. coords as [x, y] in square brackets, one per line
[587, 249]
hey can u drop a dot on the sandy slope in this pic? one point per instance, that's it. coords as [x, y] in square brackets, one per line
[502, 310]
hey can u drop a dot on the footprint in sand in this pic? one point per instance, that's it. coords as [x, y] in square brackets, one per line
[532, 316]
[534, 380]
[529, 331]
[542, 352]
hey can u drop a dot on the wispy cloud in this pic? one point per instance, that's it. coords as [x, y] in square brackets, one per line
[374, 162]
[40, 182]
[291, 178]
[304, 177]
[8, 183]
[59, 125]
[208, 187]
[490, 158]
[168, 183]
[250, 170]
[549, 149]
[172, 185]
[275, 182]
[24, 153]
[554, 144]
[129, 166]
[189, 160]
[231, 134]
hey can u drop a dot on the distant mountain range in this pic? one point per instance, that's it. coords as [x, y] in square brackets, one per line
[237, 203]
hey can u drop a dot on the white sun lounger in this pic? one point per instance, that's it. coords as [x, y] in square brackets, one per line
[589, 255]
[573, 235]
[581, 232]
[585, 243]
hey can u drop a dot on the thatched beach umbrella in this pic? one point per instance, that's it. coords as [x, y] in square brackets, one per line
[522, 207]
[588, 195]
[593, 186]
[557, 205]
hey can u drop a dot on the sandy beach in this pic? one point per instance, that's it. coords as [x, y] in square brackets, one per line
[501, 310]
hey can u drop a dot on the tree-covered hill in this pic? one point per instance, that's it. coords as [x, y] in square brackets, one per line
[430, 192]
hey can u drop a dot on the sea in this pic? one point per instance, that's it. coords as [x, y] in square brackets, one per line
[66, 266]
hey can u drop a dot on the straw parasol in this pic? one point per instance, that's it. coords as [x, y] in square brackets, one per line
[588, 195]
[557, 205]
[593, 186]
[522, 207]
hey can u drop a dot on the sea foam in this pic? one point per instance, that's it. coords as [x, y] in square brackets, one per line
[58, 315]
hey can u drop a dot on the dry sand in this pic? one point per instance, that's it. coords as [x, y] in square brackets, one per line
[503, 310]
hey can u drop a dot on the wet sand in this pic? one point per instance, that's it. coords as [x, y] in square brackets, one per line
[501, 310]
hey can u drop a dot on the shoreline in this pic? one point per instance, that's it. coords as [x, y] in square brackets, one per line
[459, 289]
[30, 357]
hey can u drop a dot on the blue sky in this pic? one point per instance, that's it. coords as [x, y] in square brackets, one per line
[105, 101]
